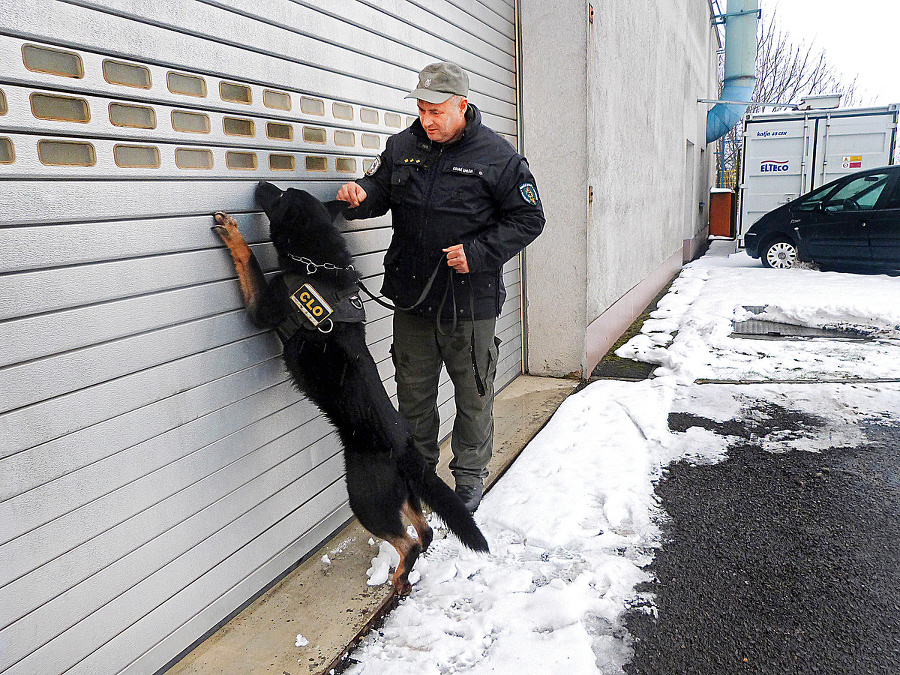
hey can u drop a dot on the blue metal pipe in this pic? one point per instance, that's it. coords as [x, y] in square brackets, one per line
[740, 67]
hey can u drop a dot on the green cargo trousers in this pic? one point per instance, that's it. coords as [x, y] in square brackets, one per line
[419, 350]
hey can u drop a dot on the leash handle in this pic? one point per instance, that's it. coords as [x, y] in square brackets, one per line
[479, 382]
[418, 302]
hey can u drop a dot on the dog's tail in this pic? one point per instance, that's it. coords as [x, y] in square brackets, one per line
[445, 502]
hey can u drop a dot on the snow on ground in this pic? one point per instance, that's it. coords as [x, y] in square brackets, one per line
[572, 524]
[712, 292]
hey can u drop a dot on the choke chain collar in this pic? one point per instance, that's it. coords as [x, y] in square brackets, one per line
[312, 267]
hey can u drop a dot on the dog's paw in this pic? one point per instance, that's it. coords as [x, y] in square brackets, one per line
[403, 588]
[225, 227]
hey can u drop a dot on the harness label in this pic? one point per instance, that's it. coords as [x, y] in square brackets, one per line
[311, 304]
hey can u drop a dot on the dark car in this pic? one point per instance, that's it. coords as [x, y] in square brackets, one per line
[852, 221]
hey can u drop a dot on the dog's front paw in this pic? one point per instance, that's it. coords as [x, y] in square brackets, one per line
[225, 227]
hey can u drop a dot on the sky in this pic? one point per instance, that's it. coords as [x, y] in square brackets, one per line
[859, 38]
[574, 522]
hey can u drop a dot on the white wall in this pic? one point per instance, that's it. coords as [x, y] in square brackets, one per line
[612, 105]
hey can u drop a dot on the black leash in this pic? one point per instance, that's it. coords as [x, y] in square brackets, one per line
[429, 283]
[479, 382]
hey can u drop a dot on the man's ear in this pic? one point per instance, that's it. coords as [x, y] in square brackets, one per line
[336, 208]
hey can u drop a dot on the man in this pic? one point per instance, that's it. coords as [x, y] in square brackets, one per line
[463, 202]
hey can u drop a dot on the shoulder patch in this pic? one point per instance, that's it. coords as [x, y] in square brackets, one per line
[374, 167]
[529, 193]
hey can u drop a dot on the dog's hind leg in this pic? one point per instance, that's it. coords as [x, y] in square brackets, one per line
[412, 509]
[409, 550]
[253, 283]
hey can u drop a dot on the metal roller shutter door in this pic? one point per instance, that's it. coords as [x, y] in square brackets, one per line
[157, 469]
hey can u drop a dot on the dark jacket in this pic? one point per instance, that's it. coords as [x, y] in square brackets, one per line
[477, 191]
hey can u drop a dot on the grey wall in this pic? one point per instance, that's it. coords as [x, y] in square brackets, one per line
[612, 105]
[157, 467]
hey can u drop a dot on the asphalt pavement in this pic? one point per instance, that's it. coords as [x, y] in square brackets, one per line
[776, 562]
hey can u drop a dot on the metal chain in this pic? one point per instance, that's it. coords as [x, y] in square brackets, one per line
[312, 267]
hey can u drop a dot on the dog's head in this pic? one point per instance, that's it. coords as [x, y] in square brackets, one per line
[301, 225]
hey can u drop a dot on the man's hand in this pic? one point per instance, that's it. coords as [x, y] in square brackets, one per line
[352, 193]
[456, 258]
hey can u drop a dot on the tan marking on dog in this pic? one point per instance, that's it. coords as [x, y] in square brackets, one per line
[423, 529]
[228, 232]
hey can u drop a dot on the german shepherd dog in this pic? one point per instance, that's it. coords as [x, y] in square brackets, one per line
[330, 362]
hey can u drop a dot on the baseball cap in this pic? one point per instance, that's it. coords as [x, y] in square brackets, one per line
[440, 81]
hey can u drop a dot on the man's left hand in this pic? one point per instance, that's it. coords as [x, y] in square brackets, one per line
[456, 258]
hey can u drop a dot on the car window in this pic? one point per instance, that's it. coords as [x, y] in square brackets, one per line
[894, 201]
[860, 194]
[814, 198]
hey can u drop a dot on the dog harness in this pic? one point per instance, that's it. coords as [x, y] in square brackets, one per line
[317, 305]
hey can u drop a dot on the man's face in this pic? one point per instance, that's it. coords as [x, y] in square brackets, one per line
[443, 122]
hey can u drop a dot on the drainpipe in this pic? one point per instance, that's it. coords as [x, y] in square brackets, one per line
[740, 68]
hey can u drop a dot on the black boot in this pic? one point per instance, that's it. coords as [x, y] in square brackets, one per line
[471, 495]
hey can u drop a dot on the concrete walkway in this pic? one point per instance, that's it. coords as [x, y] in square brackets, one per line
[329, 602]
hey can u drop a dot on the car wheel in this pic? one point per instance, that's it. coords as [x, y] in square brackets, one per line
[779, 254]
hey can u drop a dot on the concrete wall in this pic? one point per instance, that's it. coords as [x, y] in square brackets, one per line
[611, 105]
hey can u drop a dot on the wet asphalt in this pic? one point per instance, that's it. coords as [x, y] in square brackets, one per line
[776, 562]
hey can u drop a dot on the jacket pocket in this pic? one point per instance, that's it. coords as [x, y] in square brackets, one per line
[399, 183]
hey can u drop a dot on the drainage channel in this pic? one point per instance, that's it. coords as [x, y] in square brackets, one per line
[763, 329]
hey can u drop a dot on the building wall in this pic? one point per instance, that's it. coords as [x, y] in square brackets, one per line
[157, 466]
[618, 114]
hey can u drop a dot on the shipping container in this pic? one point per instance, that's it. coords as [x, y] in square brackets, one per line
[787, 154]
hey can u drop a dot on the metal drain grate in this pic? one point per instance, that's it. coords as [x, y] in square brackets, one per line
[773, 330]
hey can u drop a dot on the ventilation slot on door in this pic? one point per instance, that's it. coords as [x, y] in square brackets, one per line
[7, 151]
[52, 61]
[345, 138]
[66, 153]
[279, 132]
[276, 99]
[60, 108]
[314, 135]
[282, 162]
[238, 126]
[126, 74]
[238, 93]
[134, 116]
[342, 111]
[240, 160]
[317, 164]
[312, 106]
[195, 123]
[368, 115]
[189, 158]
[188, 85]
[136, 156]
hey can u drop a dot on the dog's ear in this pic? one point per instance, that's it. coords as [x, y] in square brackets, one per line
[336, 208]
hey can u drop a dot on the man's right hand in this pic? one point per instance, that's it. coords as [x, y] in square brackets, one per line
[352, 193]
